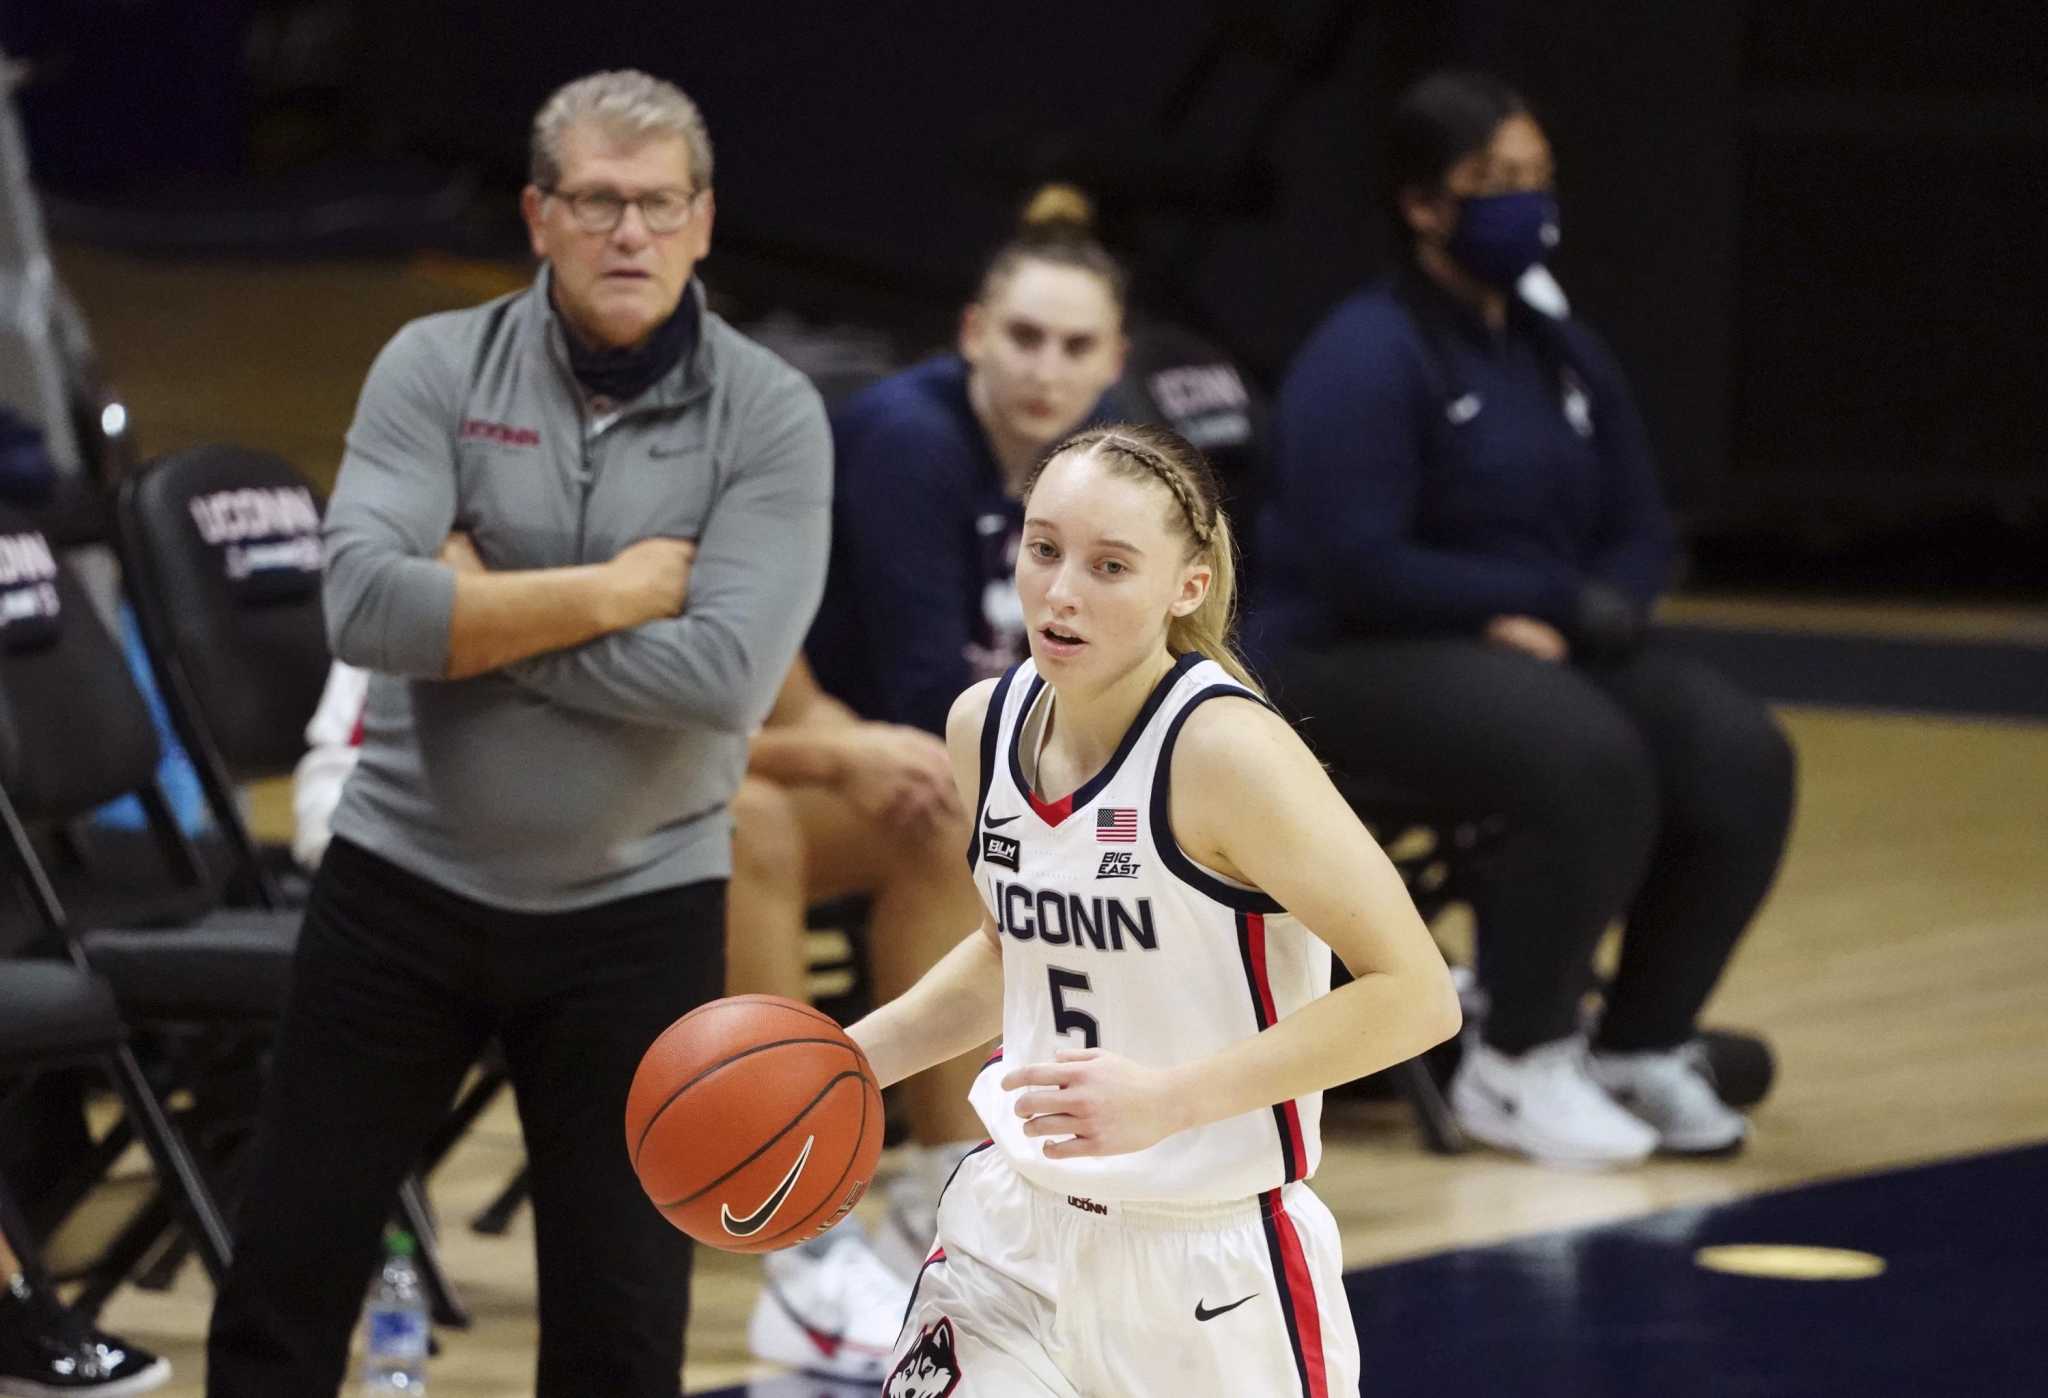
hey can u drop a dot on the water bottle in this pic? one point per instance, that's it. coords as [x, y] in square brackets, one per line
[395, 1324]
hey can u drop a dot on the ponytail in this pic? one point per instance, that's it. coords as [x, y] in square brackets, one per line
[1058, 207]
[1057, 225]
[1210, 630]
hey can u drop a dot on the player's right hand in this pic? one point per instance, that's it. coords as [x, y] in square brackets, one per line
[651, 579]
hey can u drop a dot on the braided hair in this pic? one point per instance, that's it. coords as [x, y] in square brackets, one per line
[1143, 451]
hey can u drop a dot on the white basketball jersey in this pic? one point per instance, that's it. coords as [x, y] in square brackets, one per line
[1114, 938]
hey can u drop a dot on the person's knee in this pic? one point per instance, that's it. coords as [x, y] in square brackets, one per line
[940, 850]
[767, 836]
[1595, 782]
[1583, 822]
[925, 901]
[932, 852]
[1747, 779]
[1773, 763]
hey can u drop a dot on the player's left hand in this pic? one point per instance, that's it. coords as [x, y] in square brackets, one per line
[1102, 1103]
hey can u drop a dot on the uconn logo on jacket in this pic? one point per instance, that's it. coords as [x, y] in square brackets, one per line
[1114, 938]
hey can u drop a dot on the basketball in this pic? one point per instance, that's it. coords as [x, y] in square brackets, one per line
[754, 1123]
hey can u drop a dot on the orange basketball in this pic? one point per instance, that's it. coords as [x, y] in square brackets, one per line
[754, 1123]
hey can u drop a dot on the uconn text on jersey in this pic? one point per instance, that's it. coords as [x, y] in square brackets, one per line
[1068, 919]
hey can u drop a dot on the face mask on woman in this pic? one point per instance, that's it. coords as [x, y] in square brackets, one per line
[1501, 236]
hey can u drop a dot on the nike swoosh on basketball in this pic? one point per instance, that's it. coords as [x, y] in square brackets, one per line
[757, 1220]
[1202, 1312]
[998, 822]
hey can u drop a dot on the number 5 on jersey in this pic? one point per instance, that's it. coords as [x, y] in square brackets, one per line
[1065, 1019]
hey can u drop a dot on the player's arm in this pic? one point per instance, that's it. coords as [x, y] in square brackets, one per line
[1251, 802]
[958, 1004]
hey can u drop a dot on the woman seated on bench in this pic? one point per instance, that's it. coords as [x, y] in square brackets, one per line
[1461, 549]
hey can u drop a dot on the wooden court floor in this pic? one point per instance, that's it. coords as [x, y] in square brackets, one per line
[1898, 966]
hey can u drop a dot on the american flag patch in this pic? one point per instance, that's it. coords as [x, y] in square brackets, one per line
[1116, 825]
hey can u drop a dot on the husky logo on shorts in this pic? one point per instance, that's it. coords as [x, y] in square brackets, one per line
[931, 1369]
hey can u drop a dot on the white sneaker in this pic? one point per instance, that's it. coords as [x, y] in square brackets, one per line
[829, 1307]
[910, 1223]
[1545, 1105]
[1670, 1093]
[910, 1200]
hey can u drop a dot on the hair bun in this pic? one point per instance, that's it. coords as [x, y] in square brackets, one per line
[1058, 208]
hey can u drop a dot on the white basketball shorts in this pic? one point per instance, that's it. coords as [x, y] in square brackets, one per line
[1028, 1294]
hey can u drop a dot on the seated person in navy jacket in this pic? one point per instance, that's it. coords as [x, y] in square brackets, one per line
[1462, 547]
[919, 602]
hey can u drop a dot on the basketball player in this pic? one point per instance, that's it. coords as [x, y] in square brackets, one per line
[1166, 871]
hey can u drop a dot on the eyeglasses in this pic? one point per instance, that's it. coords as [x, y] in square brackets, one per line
[599, 210]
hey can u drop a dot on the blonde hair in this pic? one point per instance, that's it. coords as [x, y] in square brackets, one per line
[1057, 225]
[625, 102]
[1146, 452]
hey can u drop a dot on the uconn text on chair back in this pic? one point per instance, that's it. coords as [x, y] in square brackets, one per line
[223, 549]
[74, 732]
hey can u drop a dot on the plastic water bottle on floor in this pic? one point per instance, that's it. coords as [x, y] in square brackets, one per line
[395, 1324]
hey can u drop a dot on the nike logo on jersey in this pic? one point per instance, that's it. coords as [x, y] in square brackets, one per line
[1202, 1312]
[994, 822]
[757, 1220]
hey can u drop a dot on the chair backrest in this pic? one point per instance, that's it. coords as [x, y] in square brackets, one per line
[840, 359]
[221, 549]
[74, 730]
[1176, 377]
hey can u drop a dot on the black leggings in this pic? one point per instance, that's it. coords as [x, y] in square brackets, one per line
[1649, 789]
[397, 986]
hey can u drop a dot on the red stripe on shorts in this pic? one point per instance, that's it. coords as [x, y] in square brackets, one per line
[1301, 1296]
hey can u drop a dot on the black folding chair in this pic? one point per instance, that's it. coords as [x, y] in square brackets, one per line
[1440, 853]
[74, 733]
[220, 550]
[53, 1015]
[220, 553]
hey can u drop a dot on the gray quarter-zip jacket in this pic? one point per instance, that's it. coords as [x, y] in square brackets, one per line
[587, 775]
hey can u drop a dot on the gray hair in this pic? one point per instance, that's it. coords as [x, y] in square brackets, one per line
[627, 103]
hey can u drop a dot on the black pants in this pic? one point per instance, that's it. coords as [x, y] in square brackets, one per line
[397, 986]
[1649, 789]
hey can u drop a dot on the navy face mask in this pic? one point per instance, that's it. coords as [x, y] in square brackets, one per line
[1501, 236]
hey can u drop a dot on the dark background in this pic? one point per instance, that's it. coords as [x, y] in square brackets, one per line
[1811, 230]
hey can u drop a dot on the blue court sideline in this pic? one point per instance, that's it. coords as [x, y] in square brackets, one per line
[1624, 1310]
